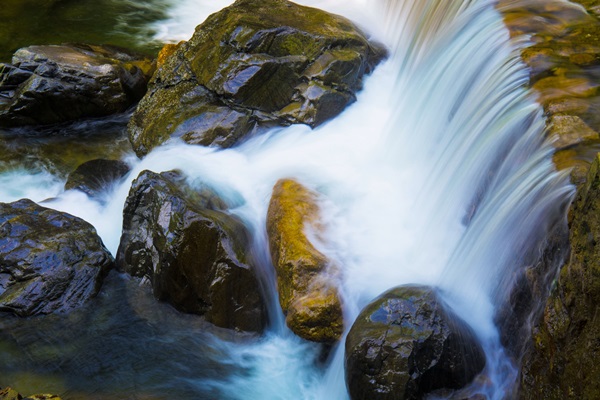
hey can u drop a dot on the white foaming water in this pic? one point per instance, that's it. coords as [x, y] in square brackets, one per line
[436, 175]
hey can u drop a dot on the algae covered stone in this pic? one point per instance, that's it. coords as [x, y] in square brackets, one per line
[193, 252]
[11, 394]
[306, 278]
[254, 63]
[408, 343]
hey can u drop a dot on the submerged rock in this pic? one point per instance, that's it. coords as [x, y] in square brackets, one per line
[192, 250]
[53, 84]
[50, 261]
[408, 343]
[11, 394]
[305, 277]
[562, 362]
[266, 62]
[96, 176]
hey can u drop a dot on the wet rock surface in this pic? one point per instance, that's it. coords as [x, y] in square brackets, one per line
[191, 250]
[564, 63]
[50, 261]
[94, 177]
[46, 85]
[306, 278]
[562, 363]
[408, 343]
[255, 63]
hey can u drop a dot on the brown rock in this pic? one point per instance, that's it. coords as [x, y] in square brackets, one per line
[305, 277]
[569, 130]
[194, 253]
[562, 363]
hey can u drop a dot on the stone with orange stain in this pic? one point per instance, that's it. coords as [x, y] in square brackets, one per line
[166, 51]
[306, 278]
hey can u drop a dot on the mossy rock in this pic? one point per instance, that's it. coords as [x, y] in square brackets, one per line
[564, 62]
[11, 394]
[562, 362]
[306, 278]
[254, 64]
[193, 252]
[406, 344]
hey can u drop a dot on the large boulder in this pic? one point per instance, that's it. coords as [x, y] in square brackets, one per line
[408, 343]
[255, 63]
[53, 84]
[94, 177]
[562, 361]
[306, 278]
[50, 261]
[192, 251]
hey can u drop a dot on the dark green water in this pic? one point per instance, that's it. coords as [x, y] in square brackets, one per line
[122, 344]
[118, 22]
[60, 149]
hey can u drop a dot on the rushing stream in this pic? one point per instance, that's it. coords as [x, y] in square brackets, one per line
[438, 174]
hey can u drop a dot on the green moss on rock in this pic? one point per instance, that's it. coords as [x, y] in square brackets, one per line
[305, 277]
[254, 64]
[563, 361]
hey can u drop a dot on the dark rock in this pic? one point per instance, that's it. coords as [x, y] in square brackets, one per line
[50, 261]
[306, 279]
[192, 251]
[54, 84]
[96, 176]
[531, 285]
[255, 63]
[562, 361]
[408, 343]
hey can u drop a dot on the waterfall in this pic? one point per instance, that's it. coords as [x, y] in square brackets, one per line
[438, 174]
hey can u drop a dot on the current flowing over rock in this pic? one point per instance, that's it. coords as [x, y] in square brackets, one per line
[193, 253]
[437, 175]
[406, 344]
[306, 279]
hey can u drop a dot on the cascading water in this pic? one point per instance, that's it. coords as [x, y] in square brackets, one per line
[438, 174]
